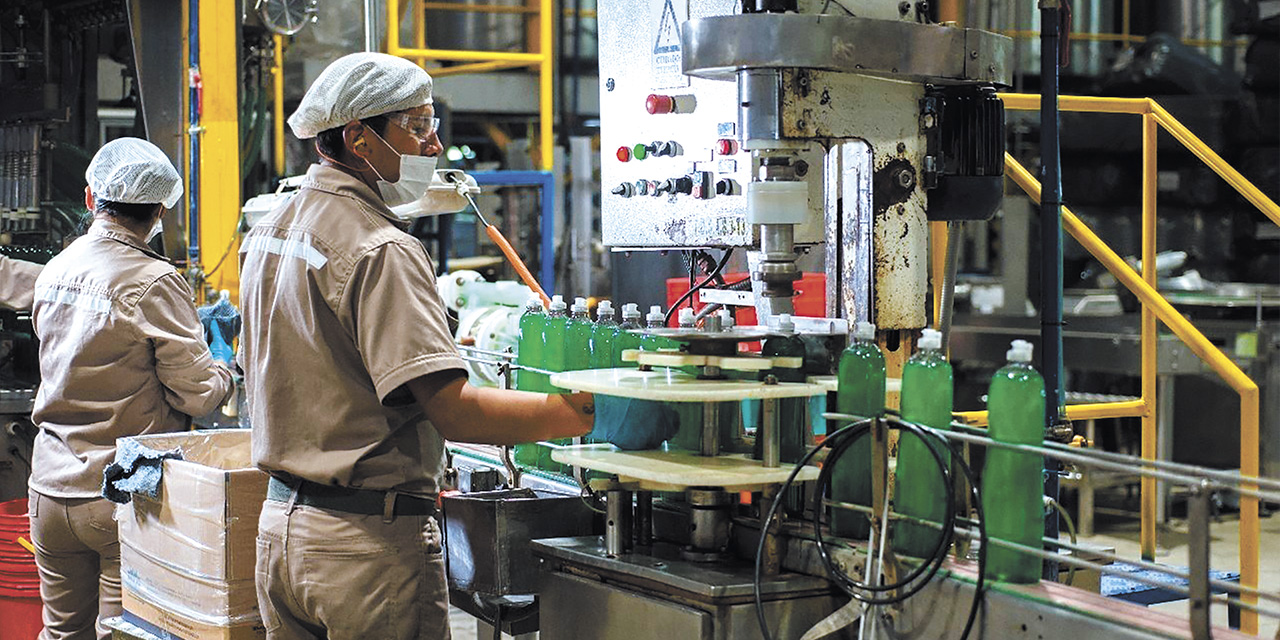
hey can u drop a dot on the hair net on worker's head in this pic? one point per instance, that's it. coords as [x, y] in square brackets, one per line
[134, 171]
[360, 85]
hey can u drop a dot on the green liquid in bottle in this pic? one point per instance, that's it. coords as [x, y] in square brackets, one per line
[1012, 481]
[555, 354]
[793, 424]
[529, 348]
[603, 336]
[578, 338]
[860, 391]
[627, 338]
[919, 491]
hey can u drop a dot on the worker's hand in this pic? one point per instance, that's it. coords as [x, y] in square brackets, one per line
[221, 322]
[633, 424]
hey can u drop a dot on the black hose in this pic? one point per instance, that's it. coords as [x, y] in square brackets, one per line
[724, 260]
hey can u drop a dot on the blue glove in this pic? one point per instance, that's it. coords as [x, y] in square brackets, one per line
[633, 424]
[221, 323]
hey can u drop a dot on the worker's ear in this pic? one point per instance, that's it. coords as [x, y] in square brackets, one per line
[353, 136]
[88, 198]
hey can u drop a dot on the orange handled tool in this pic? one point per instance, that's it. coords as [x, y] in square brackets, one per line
[507, 250]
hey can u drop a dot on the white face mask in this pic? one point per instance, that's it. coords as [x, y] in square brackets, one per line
[156, 229]
[416, 173]
[446, 195]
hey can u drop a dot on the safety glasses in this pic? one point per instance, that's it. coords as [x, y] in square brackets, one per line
[420, 127]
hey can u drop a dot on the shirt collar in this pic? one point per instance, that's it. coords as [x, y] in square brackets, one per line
[116, 231]
[332, 180]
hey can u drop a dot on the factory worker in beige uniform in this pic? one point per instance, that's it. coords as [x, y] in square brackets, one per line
[122, 353]
[352, 377]
[18, 282]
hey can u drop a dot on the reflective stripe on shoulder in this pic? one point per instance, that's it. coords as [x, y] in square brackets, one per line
[86, 300]
[300, 249]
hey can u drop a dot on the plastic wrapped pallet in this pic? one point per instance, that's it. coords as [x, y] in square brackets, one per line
[187, 557]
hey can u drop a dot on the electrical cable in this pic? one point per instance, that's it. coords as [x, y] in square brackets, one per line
[840, 441]
[724, 260]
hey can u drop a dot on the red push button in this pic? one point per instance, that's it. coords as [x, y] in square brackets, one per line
[624, 154]
[726, 146]
[657, 104]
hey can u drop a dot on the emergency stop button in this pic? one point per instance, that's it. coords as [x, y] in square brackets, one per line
[623, 154]
[658, 104]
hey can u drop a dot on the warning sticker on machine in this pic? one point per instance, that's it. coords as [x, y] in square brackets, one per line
[666, 16]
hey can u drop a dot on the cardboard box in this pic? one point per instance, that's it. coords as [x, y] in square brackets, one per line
[169, 625]
[187, 557]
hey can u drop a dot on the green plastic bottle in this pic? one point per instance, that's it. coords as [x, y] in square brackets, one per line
[1012, 481]
[529, 347]
[578, 337]
[926, 399]
[793, 421]
[555, 358]
[603, 334]
[529, 352]
[860, 390]
[628, 338]
[690, 434]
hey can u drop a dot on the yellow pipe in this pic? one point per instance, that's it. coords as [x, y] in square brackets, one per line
[1091, 411]
[1092, 104]
[478, 8]
[1209, 354]
[220, 143]
[474, 67]
[951, 11]
[1150, 434]
[277, 107]
[420, 22]
[464, 56]
[546, 113]
[1238, 182]
[1126, 20]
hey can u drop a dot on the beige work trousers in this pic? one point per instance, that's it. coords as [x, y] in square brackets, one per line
[341, 576]
[78, 555]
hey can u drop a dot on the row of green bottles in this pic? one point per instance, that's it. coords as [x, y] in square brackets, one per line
[926, 399]
[1013, 481]
[860, 391]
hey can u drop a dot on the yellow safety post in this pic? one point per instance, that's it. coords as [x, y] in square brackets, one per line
[277, 107]
[546, 46]
[219, 198]
[420, 23]
[1209, 354]
[1148, 494]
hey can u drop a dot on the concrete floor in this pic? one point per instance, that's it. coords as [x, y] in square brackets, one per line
[1123, 535]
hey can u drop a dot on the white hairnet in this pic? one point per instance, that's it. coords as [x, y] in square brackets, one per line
[360, 85]
[132, 170]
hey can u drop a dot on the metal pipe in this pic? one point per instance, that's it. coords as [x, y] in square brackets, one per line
[946, 308]
[1148, 492]
[644, 518]
[277, 106]
[617, 526]
[371, 27]
[1050, 246]
[1198, 561]
[770, 433]
[710, 445]
[193, 135]
[1092, 410]
[546, 106]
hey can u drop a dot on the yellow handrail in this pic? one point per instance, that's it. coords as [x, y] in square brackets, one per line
[482, 61]
[1155, 307]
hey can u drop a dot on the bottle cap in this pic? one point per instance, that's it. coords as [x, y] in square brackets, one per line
[930, 339]
[579, 305]
[656, 315]
[685, 317]
[785, 323]
[604, 309]
[557, 303]
[631, 310]
[534, 302]
[726, 319]
[865, 331]
[1020, 351]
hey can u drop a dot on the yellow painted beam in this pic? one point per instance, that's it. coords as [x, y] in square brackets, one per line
[1148, 495]
[1207, 352]
[475, 67]
[1091, 104]
[1207, 155]
[546, 112]
[1092, 411]
[277, 107]
[219, 198]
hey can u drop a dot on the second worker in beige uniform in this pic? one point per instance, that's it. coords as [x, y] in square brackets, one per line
[352, 377]
[122, 353]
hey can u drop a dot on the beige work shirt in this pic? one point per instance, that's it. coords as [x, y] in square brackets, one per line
[122, 353]
[18, 282]
[340, 311]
